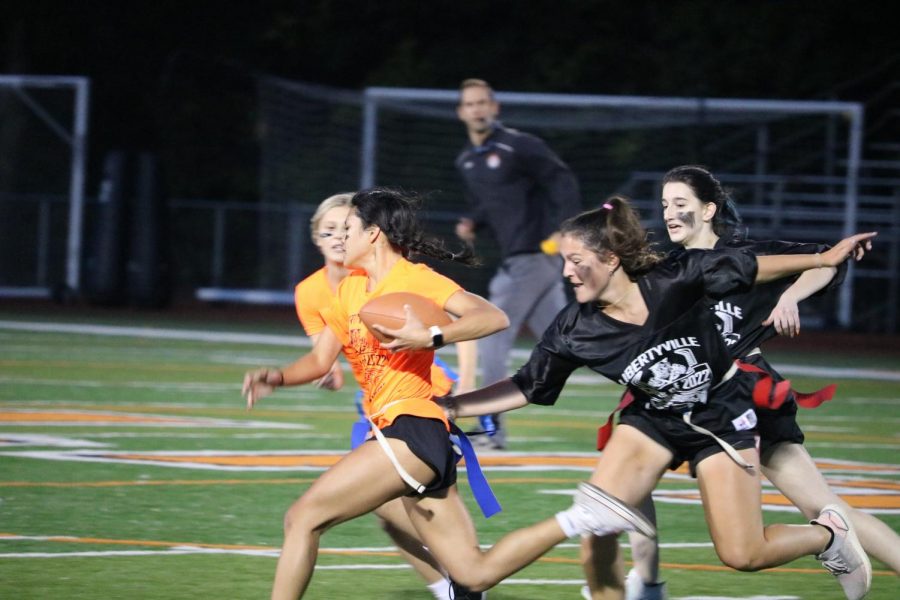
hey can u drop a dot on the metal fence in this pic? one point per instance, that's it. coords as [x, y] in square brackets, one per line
[794, 166]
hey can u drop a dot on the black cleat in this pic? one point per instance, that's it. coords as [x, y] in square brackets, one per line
[461, 592]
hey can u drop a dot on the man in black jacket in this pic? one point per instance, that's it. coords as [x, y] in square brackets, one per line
[521, 191]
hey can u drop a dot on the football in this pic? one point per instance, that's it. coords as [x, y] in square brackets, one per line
[387, 310]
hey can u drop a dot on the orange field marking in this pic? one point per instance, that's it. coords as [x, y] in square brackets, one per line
[244, 460]
[879, 501]
[67, 417]
[486, 460]
[100, 484]
[132, 366]
[285, 481]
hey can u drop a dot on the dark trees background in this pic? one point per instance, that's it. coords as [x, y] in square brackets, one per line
[157, 67]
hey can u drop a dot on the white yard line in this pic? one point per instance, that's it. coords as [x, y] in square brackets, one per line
[198, 335]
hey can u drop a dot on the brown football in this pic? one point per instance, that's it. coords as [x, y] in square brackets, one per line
[387, 310]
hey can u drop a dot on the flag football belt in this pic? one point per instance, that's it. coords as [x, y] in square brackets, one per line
[767, 394]
[382, 441]
[482, 491]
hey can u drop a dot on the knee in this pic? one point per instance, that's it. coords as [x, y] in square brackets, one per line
[472, 581]
[643, 549]
[301, 516]
[474, 575]
[740, 559]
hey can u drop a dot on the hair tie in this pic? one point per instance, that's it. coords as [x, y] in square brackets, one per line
[607, 206]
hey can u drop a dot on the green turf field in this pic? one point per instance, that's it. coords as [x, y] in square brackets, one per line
[130, 469]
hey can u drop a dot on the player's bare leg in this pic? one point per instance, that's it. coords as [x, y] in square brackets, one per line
[792, 470]
[446, 528]
[397, 525]
[361, 481]
[734, 515]
[629, 468]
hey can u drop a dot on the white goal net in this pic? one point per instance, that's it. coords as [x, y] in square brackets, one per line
[793, 165]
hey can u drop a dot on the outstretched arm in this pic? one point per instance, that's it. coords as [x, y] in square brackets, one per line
[496, 398]
[782, 265]
[786, 315]
[334, 379]
[311, 366]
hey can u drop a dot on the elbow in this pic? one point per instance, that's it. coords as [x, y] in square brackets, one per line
[501, 321]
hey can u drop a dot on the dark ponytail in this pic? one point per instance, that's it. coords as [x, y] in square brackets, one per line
[727, 222]
[395, 213]
[616, 228]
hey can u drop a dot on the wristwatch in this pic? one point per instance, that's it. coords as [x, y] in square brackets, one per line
[437, 336]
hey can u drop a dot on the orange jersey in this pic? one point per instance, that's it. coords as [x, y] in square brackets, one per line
[313, 295]
[394, 383]
[441, 385]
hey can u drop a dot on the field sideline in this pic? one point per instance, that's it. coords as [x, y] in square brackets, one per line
[130, 469]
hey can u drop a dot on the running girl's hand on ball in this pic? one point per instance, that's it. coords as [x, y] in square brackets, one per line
[412, 336]
[260, 383]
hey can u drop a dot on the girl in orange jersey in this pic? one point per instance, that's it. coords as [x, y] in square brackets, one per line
[312, 297]
[411, 457]
[315, 293]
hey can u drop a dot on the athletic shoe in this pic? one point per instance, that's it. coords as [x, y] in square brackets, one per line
[491, 436]
[636, 589]
[844, 557]
[602, 513]
[461, 592]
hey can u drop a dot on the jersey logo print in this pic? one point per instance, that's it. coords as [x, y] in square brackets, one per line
[677, 380]
[729, 316]
[493, 160]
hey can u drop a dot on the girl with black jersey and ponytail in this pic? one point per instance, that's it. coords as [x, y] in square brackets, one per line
[700, 214]
[643, 321]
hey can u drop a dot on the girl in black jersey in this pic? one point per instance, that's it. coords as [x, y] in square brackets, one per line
[643, 321]
[699, 214]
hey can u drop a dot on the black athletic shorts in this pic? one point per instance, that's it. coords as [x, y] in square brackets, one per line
[728, 413]
[776, 426]
[428, 439]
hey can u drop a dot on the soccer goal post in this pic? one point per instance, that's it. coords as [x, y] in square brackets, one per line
[44, 148]
[791, 159]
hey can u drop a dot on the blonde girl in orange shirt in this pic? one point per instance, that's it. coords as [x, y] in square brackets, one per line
[411, 458]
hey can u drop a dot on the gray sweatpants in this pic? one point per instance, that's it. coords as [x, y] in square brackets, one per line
[529, 289]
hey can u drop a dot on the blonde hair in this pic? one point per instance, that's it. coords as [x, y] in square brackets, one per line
[326, 205]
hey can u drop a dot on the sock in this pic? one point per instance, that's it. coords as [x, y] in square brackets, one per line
[830, 533]
[440, 589]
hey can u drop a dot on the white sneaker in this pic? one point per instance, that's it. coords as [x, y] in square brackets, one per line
[602, 513]
[844, 557]
[636, 589]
